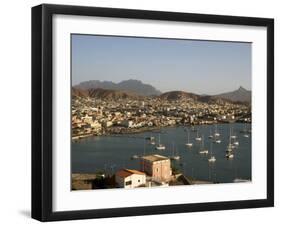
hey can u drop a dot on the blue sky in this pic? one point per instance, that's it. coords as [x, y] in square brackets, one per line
[203, 67]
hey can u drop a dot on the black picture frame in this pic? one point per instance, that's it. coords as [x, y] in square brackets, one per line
[42, 111]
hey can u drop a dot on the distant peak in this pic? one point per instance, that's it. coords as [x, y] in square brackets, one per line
[241, 88]
[131, 81]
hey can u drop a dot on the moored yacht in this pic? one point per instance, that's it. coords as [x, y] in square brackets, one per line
[210, 136]
[135, 157]
[203, 150]
[229, 155]
[236, 143]
[212, 158]
[188, 144]
[160, 146]
[216, 134]
[218, 141]
[229, 151]
[175, 156]
[198, 138]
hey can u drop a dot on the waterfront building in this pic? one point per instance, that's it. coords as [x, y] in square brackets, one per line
[128, 178]
[157, 166]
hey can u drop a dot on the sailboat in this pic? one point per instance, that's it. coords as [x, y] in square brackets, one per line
[229, 154]
[212, 158]
[139, 156]
[236, 143]
[216, 134]
[211, 136]
[203, 151]
[160, 146]
[246, 131]
[149, 138]
[233, 136]
[188, 144]
[174, 156]
[198, 138]
[135, 157]
[218, 141]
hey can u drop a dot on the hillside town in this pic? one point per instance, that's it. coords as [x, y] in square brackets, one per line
[94, 116]
[102, 112]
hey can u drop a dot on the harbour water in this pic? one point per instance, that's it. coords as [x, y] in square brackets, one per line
[110, 153]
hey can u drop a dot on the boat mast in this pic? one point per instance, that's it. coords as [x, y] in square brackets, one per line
[144, 146]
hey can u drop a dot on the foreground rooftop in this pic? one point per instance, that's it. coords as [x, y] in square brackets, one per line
[154, 158]
[128, 172]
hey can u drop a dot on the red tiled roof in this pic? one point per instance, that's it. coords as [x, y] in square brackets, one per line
[135, 171]
[128, 172]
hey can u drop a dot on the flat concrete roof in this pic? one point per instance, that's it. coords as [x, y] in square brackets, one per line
[84, 176]
[154, 158]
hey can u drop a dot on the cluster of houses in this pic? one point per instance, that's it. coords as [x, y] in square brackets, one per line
[96, 117]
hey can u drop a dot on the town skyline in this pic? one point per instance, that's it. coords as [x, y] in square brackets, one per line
[166, 64]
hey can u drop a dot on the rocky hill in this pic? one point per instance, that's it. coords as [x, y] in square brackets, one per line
[241, 95]
[105, 94]
[178, 95]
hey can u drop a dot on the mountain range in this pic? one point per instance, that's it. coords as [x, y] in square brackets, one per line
[135, 89]
[130, 85]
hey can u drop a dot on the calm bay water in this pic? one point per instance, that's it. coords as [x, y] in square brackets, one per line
[111, 153]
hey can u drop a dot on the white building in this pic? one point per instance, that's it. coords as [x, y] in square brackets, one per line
[127, 178]
[107, 124]
[95, 125]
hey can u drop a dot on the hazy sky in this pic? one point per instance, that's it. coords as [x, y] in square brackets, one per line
[203, 67]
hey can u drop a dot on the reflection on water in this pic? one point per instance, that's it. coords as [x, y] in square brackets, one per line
[111, 153]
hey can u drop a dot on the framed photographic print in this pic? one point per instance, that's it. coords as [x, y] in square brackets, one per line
[145, 112]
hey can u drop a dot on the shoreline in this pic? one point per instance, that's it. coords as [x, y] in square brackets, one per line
[127, 131]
